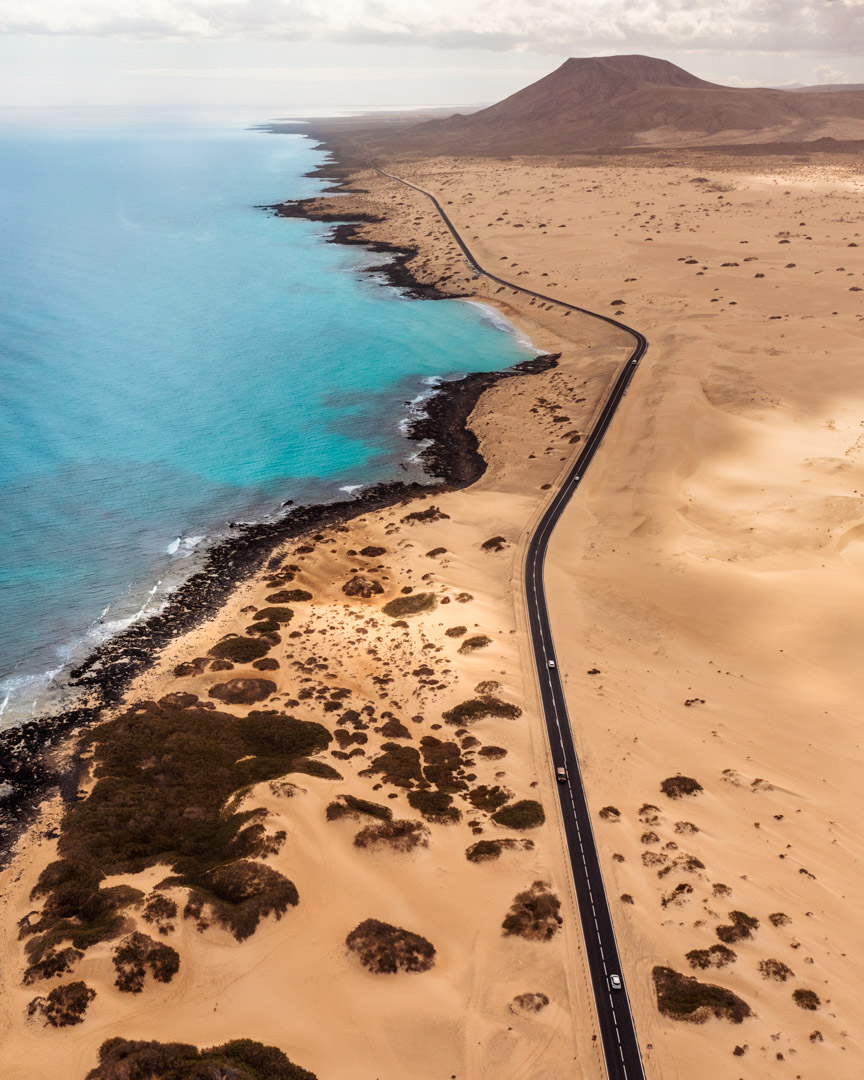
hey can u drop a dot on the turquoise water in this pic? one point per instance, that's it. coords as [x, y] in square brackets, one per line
[172, 358]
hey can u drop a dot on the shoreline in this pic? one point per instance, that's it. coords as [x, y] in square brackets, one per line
[451, 460]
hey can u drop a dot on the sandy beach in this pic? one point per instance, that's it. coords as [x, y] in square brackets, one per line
[704, 588]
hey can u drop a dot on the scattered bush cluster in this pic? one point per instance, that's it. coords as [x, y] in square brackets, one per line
[238, 895]
[138, 952]
[240, 1059]
[409, 605]
[675, 787]
[479, 708]
[716, 956]
[351, 806]
[386, 949]
[64, 1006]
[398, 835]
[478, 641]
[683, 997]
[740, 928]
[531, 1002]
[486, 850]
[435, 806]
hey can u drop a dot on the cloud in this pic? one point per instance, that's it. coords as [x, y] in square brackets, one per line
[823, 27]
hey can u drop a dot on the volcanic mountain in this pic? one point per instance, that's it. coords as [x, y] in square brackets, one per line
[613, 102]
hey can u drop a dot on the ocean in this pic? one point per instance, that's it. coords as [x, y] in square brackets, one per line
[173, 358]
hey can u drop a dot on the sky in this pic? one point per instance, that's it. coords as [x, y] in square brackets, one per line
[291, 55]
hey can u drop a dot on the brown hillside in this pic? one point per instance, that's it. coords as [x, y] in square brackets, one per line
[624, 101]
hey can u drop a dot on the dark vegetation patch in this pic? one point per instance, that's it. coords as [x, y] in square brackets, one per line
[385, 949]
[243, 691]
[351, 806]
[274, 614]
[443, 764]
[396, 764]
[395, 729]
[138, 952]
[435, 552]
[409, 605]
[373, 552]
[363, 587]
[494, 543]
[64, 1006]
[435, 806]
[239, 895]
[456, 631]
[431, 513]
[240, 1059]
[806, 999]
[678, 786]
[477, 641]
[479, 708]
[178, 700]
[487, 850]
[775, 969]
[53, 962]
[741, 927]
[610, 813]
[489, 799]
[531, 1002]
[492, 753]
[268, 663]
[716, 956]
[533, 914]
[160, 911]
[163, 778]
[289, 596]
[399, 835]
[240, 650]
[778, 918]
[525, 814]
[683, 997]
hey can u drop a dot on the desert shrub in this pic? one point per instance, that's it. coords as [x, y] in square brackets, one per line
[191, 667]
[163, 778]
[677, 786]
[442, 761]
[719, 889]
[221, 665]
[434, 806]
[395, 729]
[409, 605]
[431, 513]
[487, 850]
[779, 919]
[400, 835]
[242, 893]
[534, 914]
[352, 806]
[399, 765]
[741, 927]
[243, 691]
[716, 956]
[240, 1059]
[160, 911]
[317, 768]
[525, 814]
[806, 999]
[53, 962]
[478, 641]
[289, 596]
[626, 898]
[531, 1002]
[610, 813]
[373, 552]
[386, 949]
[135, 954]
[489, 798]
[464, 598]
[493, 753]
[479, 708]
[64, 1006]
[268, 629]
[775, 969]
[268, 663]
[240, 650]
[685, 828]
[436, 551]
[683, 997]
[678, 895]
[274, 614]
[494, 543]
[456, 631]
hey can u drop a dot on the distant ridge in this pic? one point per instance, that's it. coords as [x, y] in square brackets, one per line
[613, 102]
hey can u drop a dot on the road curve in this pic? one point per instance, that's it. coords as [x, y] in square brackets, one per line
[614, 1016]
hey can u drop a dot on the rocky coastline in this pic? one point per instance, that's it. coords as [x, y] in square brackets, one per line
[30, 766]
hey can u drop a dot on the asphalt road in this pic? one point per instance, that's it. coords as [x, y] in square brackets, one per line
[617, 1030]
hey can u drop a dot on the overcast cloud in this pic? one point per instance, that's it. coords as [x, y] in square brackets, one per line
[819, 26]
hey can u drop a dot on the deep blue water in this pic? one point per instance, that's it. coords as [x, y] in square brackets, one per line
[171, 358]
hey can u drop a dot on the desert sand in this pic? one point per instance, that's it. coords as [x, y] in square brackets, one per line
[704, 587]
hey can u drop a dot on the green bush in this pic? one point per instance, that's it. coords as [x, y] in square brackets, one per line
[525, 814]
[683, 997]
[479, 708]
[240, 650]
[385, 949]
[240, 1059]
[409, 605]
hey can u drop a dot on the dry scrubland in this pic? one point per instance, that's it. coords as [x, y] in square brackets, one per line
[705, 593]
[373, 886]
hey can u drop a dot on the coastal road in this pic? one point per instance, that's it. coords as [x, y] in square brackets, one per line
[615, 1020]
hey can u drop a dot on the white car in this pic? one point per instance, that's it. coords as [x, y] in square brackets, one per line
[615, 982]
[552, 663]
